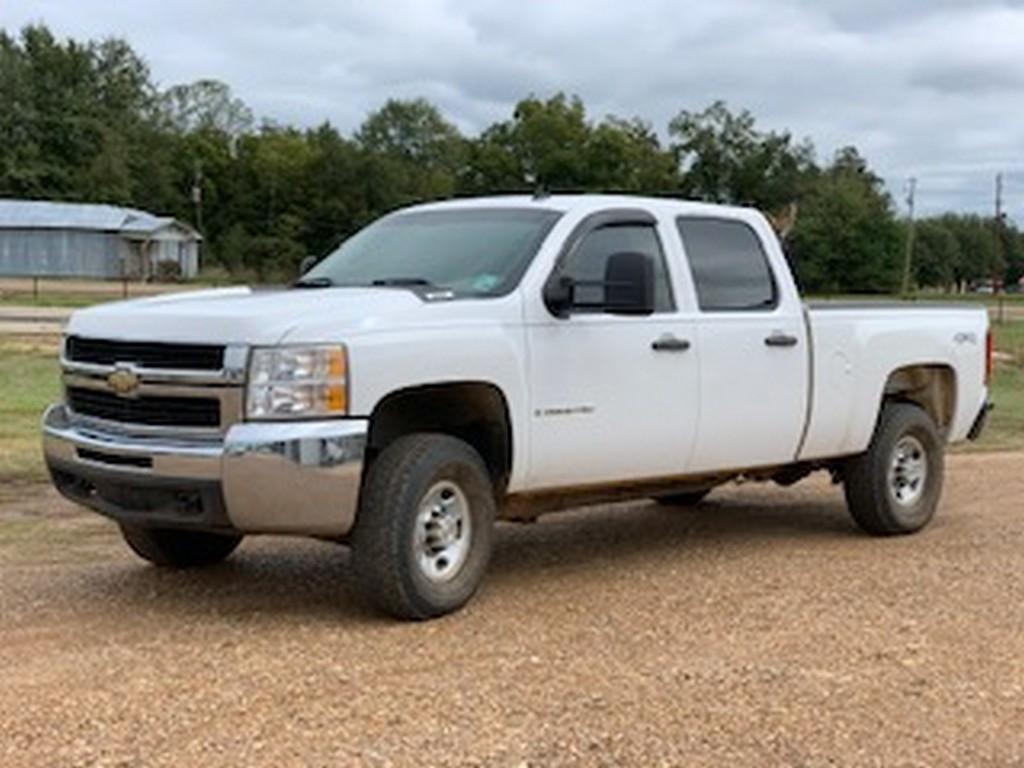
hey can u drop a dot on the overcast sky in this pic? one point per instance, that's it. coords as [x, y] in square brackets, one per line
[926, 88]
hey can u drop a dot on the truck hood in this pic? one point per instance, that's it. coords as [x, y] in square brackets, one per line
[245, 316]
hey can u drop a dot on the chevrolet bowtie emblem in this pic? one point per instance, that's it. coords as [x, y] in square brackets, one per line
[124, 381]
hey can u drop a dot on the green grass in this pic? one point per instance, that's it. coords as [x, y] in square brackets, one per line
[29, 381]
[1009, 338]
[1005, 431]
[1010, 299]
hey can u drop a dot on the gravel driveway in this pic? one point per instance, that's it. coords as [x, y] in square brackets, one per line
[759, 630]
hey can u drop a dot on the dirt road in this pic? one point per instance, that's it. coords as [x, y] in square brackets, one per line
[32, 321]
[760, 630]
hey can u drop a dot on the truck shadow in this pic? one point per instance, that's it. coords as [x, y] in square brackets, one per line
[615, 535]
[272, 579]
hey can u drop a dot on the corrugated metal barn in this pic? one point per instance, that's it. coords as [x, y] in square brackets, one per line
[44, 239]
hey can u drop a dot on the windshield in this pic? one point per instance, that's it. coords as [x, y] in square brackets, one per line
[468, 251]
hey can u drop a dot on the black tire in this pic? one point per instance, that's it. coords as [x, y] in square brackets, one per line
[689, 499]
[173, 548]
[872, 481]
[389, 541]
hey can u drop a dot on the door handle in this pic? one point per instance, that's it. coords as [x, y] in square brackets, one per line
[670, 344]
[781, 340]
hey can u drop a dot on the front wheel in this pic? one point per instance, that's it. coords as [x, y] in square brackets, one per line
[424, 532]
[894, 487]
[173, 548]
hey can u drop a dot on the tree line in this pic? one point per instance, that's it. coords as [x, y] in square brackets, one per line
[85, 121]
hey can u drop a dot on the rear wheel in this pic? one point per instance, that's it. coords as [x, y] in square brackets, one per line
[424, 532]
[894, 487]
[173, 548]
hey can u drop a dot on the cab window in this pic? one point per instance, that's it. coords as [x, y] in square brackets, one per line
[729, 266]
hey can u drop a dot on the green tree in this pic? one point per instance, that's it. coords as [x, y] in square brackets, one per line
[724, 158]
[979, 259]
[846, 239]
[336, 203]
[83, 121]
[542, 146]
[411, 154]
[205, 105]
[551, 144]
[1014, 255]
[936, 255]
[627, 155]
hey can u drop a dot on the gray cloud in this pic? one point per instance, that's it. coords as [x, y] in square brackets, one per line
[930, 88]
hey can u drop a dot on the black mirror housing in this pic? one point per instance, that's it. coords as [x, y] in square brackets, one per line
[559, 295]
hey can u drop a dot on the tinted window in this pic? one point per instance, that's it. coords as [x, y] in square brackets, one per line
[588, 260]
[729, 267]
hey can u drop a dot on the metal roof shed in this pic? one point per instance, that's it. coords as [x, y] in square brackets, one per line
[47, 239]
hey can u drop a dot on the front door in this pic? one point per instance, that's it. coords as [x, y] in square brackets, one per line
[613, 397]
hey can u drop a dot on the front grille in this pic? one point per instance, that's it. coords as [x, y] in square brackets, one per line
[147, 410]
[191, 357]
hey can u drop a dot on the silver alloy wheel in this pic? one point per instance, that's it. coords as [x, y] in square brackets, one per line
[908, 471]
[443, 531]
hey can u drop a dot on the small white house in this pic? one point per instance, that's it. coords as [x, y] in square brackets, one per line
[46, 239]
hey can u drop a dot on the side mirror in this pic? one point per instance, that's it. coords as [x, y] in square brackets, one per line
[559, 294]
[307, 264]
[627, 288]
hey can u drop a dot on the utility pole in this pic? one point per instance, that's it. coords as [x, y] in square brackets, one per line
[197, 194]
[911, 227]
[998, 262]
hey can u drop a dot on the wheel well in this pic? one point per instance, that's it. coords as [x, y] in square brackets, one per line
[476, 412]
[932, 387]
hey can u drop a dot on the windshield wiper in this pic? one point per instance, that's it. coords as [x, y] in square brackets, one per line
[313, 282]
[401, 282]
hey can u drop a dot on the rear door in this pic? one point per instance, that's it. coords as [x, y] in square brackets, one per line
[752, 345]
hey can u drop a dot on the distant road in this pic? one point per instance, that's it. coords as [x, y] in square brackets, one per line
[32, 321]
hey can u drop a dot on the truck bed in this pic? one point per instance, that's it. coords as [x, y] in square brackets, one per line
[857, 346]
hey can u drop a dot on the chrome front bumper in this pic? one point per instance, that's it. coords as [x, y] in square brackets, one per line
[294, 477]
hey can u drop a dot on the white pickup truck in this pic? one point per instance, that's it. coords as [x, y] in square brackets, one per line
[459, 363]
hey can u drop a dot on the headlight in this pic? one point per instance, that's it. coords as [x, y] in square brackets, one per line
[297, 382]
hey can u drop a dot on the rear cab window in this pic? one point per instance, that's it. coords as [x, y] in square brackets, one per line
[729, 266]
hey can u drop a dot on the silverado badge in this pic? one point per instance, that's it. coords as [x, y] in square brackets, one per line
[124, 381]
